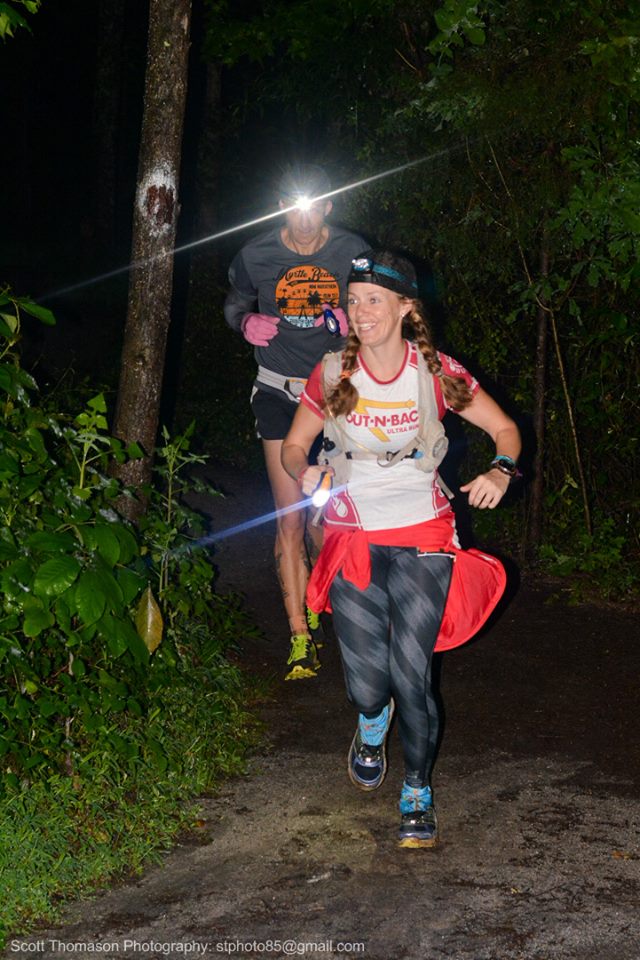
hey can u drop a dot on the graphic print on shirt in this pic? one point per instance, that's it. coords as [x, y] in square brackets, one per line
[301, 291]
[376, 416]
[343, 510]
[386, 419]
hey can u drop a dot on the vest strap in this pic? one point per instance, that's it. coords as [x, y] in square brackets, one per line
[426, 450]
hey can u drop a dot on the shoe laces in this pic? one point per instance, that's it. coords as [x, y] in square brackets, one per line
[415, 799]
[368, 753]
[374, 730]
[299, 647]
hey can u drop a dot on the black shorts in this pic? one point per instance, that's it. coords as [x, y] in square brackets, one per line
[274, 414]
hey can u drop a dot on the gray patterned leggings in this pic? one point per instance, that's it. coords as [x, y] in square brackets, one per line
[387, 634]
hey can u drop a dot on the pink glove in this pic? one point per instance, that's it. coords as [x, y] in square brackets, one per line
[259, 328]
[340, 316]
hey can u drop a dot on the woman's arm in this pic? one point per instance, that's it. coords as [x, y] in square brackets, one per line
[488, 489]
[295, 450]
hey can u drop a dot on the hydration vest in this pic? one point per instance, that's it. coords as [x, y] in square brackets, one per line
[426, 450]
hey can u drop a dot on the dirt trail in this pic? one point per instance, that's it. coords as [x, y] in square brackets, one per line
[536, 789]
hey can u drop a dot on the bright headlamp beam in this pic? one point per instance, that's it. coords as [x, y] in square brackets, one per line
[249, 223]
[304, 203]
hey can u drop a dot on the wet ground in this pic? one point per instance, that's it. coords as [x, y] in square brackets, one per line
[536, 788]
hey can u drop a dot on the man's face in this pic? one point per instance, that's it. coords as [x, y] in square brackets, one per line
[305, 225]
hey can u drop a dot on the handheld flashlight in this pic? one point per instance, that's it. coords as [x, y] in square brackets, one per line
[331, 323]
[322, 492]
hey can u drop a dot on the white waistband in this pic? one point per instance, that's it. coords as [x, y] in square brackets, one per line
[292, 386]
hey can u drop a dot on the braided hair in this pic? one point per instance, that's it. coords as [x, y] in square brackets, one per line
[342, 399]
[455, 390]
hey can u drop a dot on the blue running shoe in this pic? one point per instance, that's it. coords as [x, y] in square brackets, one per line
[367, 760]
[419, 825]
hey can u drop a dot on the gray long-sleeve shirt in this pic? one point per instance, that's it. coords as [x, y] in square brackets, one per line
[267, 277]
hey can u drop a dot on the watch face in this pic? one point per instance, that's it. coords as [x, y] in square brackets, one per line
[505, 467]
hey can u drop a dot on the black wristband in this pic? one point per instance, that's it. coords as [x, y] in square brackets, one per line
[505, 465]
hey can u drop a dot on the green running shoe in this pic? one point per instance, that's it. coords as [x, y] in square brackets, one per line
[303, 659]
[315, 628]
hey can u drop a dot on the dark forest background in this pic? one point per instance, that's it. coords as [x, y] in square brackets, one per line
[522, 216]
[509, 133]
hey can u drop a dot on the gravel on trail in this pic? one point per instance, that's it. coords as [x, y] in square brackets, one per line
[536, 788]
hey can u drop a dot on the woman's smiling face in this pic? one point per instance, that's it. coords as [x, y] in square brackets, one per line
[376, 313]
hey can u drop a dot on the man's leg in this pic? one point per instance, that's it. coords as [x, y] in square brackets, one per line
[292, 562]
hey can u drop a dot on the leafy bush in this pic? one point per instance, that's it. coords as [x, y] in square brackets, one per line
[598, 564]
[117, 699]
[70, 656]
[11, 18]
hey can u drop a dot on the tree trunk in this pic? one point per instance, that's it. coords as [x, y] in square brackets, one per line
[539, 417]
[154, 232]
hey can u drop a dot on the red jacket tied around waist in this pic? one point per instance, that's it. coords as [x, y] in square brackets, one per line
[477, 581]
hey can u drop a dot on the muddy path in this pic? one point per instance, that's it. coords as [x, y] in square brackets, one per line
[536, 788]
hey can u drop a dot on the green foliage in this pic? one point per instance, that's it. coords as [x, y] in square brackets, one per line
[11, 18]
[290, 46]
[548, 163]
[71, 570]
[62, 837]
[457, 21]
[260, 30]
[600, 558]
[115, 705]
[69, 653]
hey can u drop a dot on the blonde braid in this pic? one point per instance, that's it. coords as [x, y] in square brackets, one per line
[455, 390]
[344, 396]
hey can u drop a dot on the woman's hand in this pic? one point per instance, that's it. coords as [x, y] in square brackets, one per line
[487, 489]
[309, 479]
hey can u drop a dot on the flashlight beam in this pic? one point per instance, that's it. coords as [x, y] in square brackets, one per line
[254, 522]
[247, 525]
[248, 223]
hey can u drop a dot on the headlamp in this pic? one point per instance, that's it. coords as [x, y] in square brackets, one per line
[366, 269]
[304, 203]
